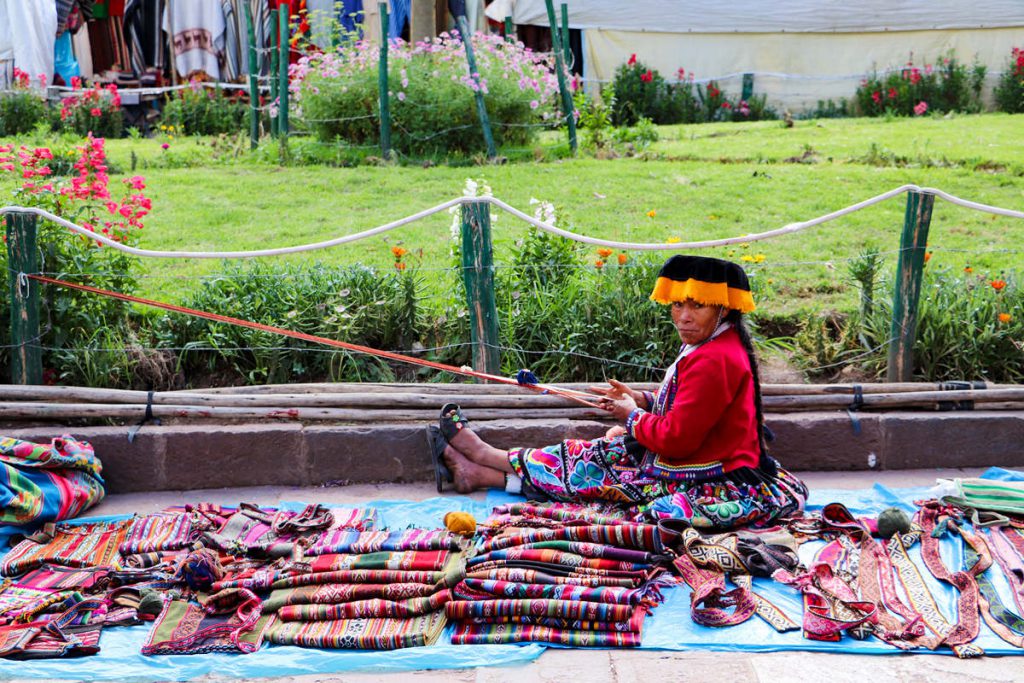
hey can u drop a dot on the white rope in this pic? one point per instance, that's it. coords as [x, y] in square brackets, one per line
[547, 227]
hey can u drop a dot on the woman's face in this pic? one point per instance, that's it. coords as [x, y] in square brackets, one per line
[693, 321]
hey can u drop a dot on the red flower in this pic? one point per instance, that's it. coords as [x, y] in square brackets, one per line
[647, 77]
[681, 73]
[892, 94]
[726, 105]
[877, 97]
[632, 60]
[713, 91]
[998, 284]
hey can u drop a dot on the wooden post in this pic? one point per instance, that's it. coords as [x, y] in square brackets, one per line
[382, 84]
[478, 275]
[274, 82]
[567, 106]
[564, 33]
[282, 90]
[481, 106]
[909, 271]
[23, 259]
[254, 89]
[748, 87]
[510, 30]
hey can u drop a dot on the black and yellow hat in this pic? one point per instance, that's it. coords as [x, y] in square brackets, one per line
[706, 280]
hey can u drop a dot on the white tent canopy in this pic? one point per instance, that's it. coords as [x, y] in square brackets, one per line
[793, 16]
[800, 52]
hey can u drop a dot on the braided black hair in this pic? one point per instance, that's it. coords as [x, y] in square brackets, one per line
[739, 323]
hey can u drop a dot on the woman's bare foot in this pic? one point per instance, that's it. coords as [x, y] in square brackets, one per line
[470, 476]
[479, 451]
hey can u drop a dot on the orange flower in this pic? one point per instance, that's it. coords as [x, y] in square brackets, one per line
[1005, 317]
[623, 257]
[399, 265]
[604, 252]
[399, 252]
[968, 270]
[652, 213]
[998, 284]
[927, 256]
[599, 264]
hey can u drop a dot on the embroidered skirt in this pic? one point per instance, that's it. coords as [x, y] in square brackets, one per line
[578, 470]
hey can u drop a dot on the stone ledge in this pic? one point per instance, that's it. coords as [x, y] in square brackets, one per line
[182, 457]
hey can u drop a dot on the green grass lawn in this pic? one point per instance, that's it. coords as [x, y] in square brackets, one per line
[702, 182]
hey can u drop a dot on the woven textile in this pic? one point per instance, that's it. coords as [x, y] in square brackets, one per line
[360, 634]
[333, 593]
[362, 576]
[84, 545]
[228, 621]
[561, 609]
[563, 512]
[156, 532]
[374, 607]
[422, 560]
[555, 557]
[482, 634]
[47, 483]
[484, 589]
[350, 541]
[538, 576]
[637, 536]
[634, 624]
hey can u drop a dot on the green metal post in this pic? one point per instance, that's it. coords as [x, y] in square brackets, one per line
[567, 106]
[478, 275]
[481, 106]
[909, 271]
[510, 30]
[748, 87]
[274, 50]
[566, 50]
[254, 90]
[282, 90]
[382, 81]
[23, 259]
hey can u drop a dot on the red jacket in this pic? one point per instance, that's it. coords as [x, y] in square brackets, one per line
[712, 418]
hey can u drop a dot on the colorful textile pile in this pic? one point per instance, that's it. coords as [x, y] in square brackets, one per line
[40, 483]
[570, 574]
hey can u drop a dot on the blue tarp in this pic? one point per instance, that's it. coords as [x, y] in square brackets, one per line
[668, 628]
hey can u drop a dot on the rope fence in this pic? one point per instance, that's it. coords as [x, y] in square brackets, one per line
[478, 270]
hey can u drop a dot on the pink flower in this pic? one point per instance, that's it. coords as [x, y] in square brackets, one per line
[76, 82]
[681, 74]
[632, 60]
[165, 146]
[877, 97]
[534, 104]
[647, 77]
[920, 108]
[891, 94]
[96, 111]
[137, 182]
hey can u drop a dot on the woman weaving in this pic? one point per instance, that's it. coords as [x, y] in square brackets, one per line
[694, 450]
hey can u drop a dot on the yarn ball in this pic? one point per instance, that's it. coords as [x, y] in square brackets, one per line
[892, 520]
[460, 523]
[200, 569]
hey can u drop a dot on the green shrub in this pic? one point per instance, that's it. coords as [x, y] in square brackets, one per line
[914, 91]
[198, 110]
[21, 108]
[1009, 93]
[431, 95]
[95, 110]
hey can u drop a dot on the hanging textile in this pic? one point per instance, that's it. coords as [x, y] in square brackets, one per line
[142, 25]
[197, 30]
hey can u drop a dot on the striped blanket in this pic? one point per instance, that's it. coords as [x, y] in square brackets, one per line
[47, 483]
[360, 634]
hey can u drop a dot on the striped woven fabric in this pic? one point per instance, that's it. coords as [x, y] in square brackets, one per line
[484, 589]
[359, 609]
[156, 532]
[359, 576]
[421, 560]
[562, 512]
[349, 541]
[85, 545]
[360, 634]
[359, 519]
[22, 603]
[537, 576]
[185, 627]
[555, 557]
[55, 577]
[560, 570]
[634, 624]
[47, 482]
[497, 634]
[639, 536]
[561, 609]
[334, 593]
[607, 552]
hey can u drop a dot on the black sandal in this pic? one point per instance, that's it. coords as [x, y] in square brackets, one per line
[450, 424]
[437, 443]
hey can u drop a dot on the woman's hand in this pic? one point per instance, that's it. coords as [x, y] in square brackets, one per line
[616, 431]
[618, 390]
[619, 407]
